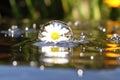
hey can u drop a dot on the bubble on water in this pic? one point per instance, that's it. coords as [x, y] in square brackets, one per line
[83, 49]
[101, 50]
[82, 38]
[91, 34]
[77, 23]
[91, 57]
[34, 26]
[5, 35]
[20, 48]
[15, 63]
[26, 28]
[104, 29]
[33, 64]
[42, 67]
[81, 54]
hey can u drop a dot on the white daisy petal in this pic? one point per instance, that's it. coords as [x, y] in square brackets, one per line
[63, 30]
[64, 38]
[55, 25]
[55, 29]
[59, 27]
[49, 28]
[44, 33]
[43, 39]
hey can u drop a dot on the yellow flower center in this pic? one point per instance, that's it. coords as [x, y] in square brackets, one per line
[55, 35]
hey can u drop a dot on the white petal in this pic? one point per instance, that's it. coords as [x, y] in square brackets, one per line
[57, 27]
[49, 28]
[44, 33]
[64, 38]
[55, 24]
[44, 38]
[63, 31]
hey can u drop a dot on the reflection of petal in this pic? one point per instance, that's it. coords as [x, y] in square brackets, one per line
[56, 60]
[56, 54]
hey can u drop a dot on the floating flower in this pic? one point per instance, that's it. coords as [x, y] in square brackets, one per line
[55, 32]
[112, 3]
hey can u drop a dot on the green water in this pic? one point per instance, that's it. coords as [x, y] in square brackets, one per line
[99, 53]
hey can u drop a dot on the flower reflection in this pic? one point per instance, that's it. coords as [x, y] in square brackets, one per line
[55, 55]
[55, 60]
[54, 51]
[112, 54]
[112, 27]
[112, 47]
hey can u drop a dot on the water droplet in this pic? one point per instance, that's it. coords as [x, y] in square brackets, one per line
[34, 26]
[80, 72]
[26, 28]
[56, 31]
[20, 48]
[104, 29]
[101, 50]
[81, 54]
[91, 57]
[33, 64]
[42, 67]
[77, 23]
[83, 49]
[82, 38]
[15, 63]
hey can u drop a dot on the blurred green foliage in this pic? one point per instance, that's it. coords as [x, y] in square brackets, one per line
[34, 10]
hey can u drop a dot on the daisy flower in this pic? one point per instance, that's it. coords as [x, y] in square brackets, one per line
[54, 33]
